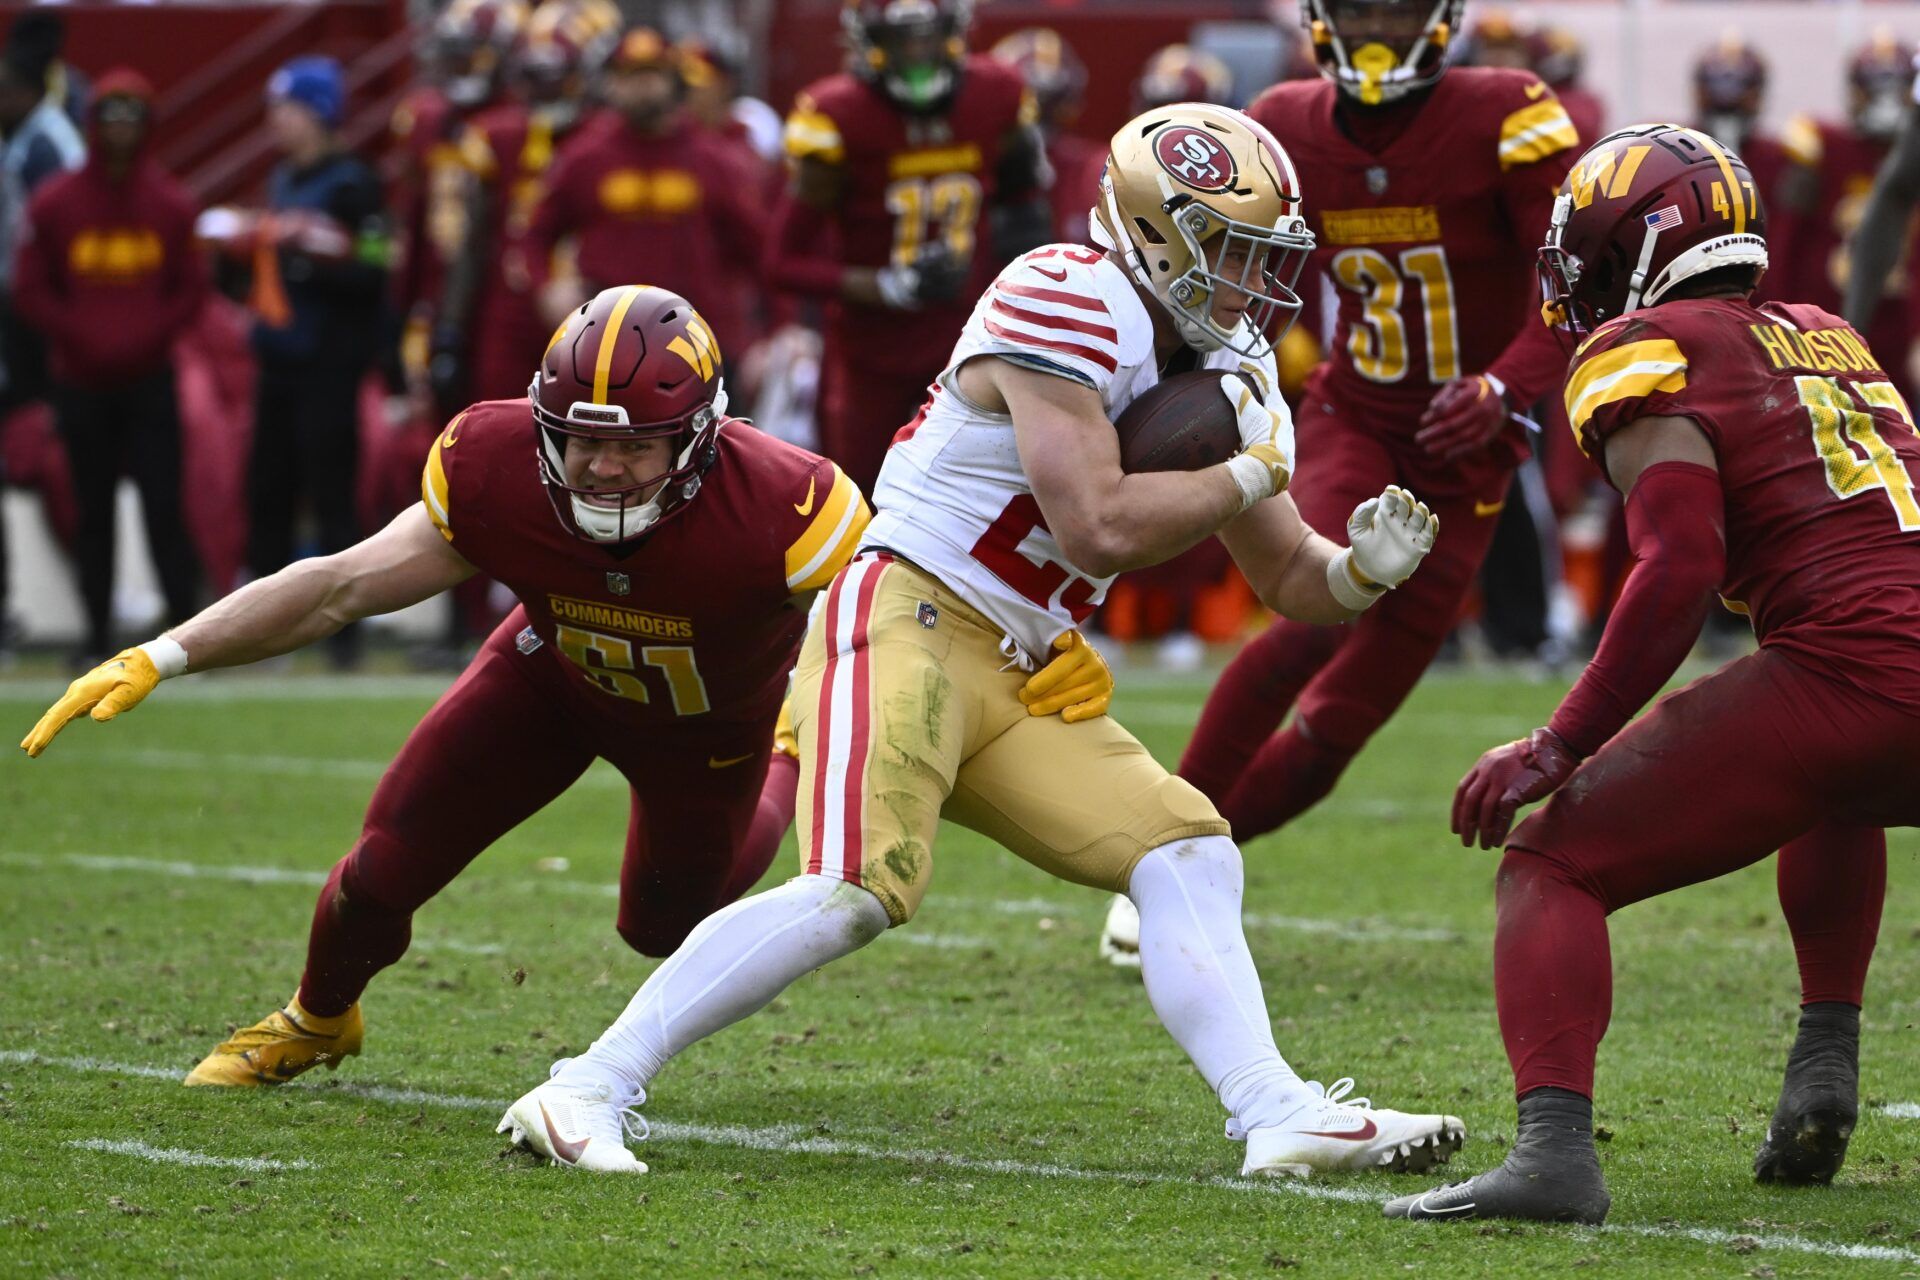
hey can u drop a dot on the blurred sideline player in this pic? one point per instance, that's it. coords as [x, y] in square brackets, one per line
[467, 54]
[641, 191]
[1426, 186]
[1885, 233]
[664, 556]
[1002, 514]
[1057, 79]
[1829, 177]
[489, 312]
[1562, 63]
[915, 175]
[1764, 453]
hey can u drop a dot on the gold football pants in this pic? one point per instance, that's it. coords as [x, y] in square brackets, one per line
[907, 711]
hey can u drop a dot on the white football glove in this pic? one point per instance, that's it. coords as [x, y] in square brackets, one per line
[1265, 461]
[1387, 537]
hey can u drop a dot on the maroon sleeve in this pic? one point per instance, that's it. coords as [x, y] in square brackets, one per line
[1676, 527]
[795, 261]
[1534, 361]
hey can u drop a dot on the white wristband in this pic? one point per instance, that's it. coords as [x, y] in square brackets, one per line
[168, 658]
[1252, 477]
[1345, 589]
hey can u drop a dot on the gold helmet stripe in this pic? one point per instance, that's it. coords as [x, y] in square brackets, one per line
[1735, 196]
[603, 363]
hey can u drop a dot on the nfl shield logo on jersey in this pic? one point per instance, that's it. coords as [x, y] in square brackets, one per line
[619, 583]
[1377, 180]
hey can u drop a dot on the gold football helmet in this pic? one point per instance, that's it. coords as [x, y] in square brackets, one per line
[1192, 186]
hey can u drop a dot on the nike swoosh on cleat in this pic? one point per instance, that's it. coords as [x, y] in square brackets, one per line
[1422, 1206]
[562, 1149]
[806, 508]
[1371, 1130]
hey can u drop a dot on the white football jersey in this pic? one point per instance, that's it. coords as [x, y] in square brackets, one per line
[952, 496]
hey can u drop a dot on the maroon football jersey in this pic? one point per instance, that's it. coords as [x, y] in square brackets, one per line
[909, 178]
[691, 620]
[1432, 272]
[1817, 453]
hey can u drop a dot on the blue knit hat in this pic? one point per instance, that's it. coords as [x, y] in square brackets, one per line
[316, 83]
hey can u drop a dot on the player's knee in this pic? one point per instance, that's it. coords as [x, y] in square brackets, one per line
[1290, 652]
[1203, 864]
[1526, 876]
[655, 935]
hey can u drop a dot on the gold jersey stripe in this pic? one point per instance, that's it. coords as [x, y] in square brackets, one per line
[1635, 369]
[603, 362]
[831, 539]
[812, 134]
[1533, 133]
[433, 490]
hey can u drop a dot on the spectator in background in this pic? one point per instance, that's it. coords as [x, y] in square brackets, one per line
[1058, 81]
[41, 36]
[37, 142]
[319, 286]
[106, 271]
[645, 195]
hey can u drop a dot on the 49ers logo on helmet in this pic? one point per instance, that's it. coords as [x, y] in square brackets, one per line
[1195, 157]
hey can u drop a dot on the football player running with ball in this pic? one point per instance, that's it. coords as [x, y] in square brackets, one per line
[1763, 453]
[663, 554]
[1002, 515]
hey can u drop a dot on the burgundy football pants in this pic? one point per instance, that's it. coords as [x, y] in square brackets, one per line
[511, 734]
[1764, 754]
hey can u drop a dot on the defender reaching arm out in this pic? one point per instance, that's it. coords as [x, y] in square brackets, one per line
[309, 600]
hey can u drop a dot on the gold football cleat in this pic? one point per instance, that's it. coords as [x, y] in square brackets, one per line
[279, 1047]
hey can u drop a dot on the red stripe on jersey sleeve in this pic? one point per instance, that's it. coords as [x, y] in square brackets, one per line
[1060, 296]
[1097, 356]
[1045, 321]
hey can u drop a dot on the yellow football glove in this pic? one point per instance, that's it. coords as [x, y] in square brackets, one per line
[116, 685]
[1075, 686]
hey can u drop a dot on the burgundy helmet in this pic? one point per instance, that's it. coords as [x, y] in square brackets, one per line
[1054, 73]
[1646, 208]
[634, 363]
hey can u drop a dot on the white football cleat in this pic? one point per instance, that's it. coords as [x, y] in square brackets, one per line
[1331, 1134]
[578, 1128]
[1120, 939]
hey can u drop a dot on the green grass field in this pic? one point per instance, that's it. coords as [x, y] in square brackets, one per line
[973, 1095]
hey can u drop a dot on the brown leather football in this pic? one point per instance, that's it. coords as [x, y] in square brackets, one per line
[1183, 423]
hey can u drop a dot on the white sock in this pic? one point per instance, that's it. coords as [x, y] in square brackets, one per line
[1193, 956]
[735, 962]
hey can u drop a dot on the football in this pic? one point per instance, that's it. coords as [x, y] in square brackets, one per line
[1182, 424]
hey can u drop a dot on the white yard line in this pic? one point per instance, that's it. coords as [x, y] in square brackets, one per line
[1361, 930]
[179, 1155]
[786, 1138]
[1901, 1110]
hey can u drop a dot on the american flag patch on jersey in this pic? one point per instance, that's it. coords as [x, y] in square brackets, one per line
[1661, 219]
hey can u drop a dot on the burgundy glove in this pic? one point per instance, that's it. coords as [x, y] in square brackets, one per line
[1463, 416]
[1506, 778]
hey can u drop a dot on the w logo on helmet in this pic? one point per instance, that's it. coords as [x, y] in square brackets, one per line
[1195, 157]
[697, 348]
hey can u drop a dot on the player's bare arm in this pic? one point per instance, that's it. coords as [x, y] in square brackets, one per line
[1105, 520]
[1883, 225]
[403, 564]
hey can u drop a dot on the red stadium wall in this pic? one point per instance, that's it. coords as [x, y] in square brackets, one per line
[210, 63]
